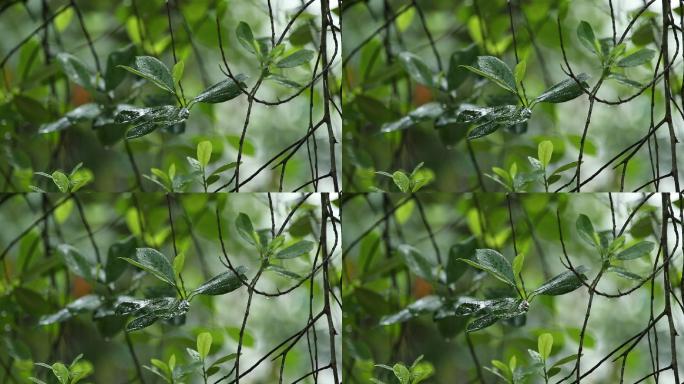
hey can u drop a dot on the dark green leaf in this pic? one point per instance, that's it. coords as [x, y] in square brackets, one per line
[495, 70]
[153, 70]
[222, 91]
[494, 263]
[563, 283]
[639, 57]
[152, 261]
[221, 284]
[566, 90]
[113, 76]
[642, 248]
[457, 74]
[115, 266]
[463, 250]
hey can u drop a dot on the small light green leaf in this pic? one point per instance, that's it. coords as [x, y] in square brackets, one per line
[416, 68]
[222, 91]
[494, 263]
[296, 59]
[495, 70]
[587, 37]
[544, 152]
[519, 71]
[223, 283]
[153, 70]
[246, 37]
[637, 250]
[152, 261]
[297, 249]
[639, 57]
[586, 230]
[246, 229]
[402, 181]
[61, 372]
[518, 263]
[204, 149]
[61, 181]
[179, 263]
[544, 345]
[204, 340]
[177, 71]
[402, 373]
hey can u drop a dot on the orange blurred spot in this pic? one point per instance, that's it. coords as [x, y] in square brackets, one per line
[79, 95]
[421, 288]
[421, 95]
[80, 287]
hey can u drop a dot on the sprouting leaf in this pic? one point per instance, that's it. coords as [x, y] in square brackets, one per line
[639, 57]
[75, 70]
[561, 284]
[519, 71]
[637, 250]
[296, 59]
[246, 229]
[154, 262]
[416, 262]
[518, 263]
[295, 250]
[566, 90]
[586, 230]
[221, 284]
[416, 68]
[61, 181]
[495, 70]
[153, 70]
[179, 263]
[222, 91]
[204, 340]
[544, 345]
[177, 71]
[246, 37]
[544, 152]
[494, 263]
[587, 37]
[402, 181]
[204, 149]
[402, 373]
